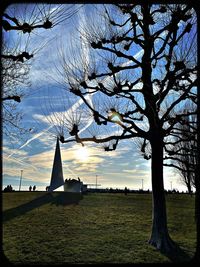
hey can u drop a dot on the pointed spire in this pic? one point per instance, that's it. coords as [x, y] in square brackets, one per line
[57, 172]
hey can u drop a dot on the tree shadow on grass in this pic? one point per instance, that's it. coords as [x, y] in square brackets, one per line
[178, 255]
[55, 198]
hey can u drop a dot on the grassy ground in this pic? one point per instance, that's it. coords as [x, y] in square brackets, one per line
[102, 228]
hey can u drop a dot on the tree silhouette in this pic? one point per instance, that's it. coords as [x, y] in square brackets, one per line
[142, 64]
[21, 21]
[185, 157]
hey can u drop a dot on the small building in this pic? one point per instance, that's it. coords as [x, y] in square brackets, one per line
[73, 186]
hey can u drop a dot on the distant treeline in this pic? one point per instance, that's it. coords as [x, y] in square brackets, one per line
[111, 190]
[130, 191]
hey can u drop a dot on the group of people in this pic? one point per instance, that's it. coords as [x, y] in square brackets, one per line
[73, 180]
[8, 188]
[30, 188]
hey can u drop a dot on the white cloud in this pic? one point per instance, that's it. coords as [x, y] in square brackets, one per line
[8, 151]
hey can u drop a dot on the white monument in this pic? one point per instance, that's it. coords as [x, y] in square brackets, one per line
[57, 172]
[57, 180]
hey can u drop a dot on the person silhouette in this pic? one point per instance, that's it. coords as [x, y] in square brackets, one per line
[125, 190]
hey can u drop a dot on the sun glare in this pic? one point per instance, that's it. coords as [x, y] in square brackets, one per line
[82, 154]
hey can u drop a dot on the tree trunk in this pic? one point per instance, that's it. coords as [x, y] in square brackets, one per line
[159, 236]
[188, 184]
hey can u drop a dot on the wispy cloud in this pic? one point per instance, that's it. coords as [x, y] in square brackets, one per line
[36, 136]
[17, 161]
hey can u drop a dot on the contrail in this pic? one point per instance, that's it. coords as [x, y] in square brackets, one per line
[85, 48]
[23, 163]
[31, 139]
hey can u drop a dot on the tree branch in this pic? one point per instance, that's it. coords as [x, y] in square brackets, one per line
[15, 98]
[19, 57]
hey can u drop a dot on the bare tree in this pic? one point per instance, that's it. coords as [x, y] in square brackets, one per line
[19, 22]
[184, 156]
[138, 66]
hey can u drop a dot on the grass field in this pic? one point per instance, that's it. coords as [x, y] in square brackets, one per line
[101, 228]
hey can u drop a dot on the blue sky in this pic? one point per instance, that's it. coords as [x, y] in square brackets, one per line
[123, 167]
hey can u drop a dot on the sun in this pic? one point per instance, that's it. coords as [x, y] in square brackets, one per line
[82, 154]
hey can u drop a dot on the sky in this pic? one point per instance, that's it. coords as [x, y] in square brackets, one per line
[31, 158]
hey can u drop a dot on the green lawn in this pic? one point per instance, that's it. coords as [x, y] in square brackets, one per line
[102, 228]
